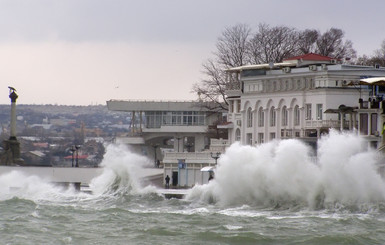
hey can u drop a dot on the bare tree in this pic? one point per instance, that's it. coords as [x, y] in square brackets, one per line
[212, 89]
[363, 60]
[272, 44]
[306, 41]
[331, 44]
[237, 46]
[232, 45]
[231, 52]
[379, 55]
[377, 59]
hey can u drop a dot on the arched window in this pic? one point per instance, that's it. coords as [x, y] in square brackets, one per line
[249, 118]
[284, 116]
[238, 135]
[272, 116]
[261, 117]
[296, 115]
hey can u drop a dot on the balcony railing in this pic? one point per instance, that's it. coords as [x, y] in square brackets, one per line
[325, 124]
[189, 157]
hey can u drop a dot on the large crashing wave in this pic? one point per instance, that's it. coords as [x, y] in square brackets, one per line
[120, 168]
[286, 172]
[119, 174]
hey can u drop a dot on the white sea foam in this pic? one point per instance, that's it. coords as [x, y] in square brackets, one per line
[276, 173]
[283, 172]
[119, 174]
[233, 227]
[16, 184]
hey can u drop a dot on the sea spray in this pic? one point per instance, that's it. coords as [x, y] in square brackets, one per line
[119, 174]
[120, 166]
[348, 170]
[16, 184]
[284, 173]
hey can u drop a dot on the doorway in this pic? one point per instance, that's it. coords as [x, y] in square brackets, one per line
[174, 178]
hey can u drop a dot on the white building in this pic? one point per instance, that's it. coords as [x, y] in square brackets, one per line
[175, 133]
[302, 97]
[371, 114]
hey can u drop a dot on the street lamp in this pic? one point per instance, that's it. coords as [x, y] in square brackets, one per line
[215, 156]
[77, 147]
[155, 160]
[72, 150]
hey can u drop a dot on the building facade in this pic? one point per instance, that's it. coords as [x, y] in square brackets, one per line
[302, 97]
[175, 133]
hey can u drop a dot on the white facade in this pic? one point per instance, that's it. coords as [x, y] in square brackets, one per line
[290, 102]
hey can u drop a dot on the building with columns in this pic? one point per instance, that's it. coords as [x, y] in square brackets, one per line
[302, 97]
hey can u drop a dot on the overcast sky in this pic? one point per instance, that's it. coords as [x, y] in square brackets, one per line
[81, 52]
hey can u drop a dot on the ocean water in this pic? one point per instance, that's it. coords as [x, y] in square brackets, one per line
[276, 193]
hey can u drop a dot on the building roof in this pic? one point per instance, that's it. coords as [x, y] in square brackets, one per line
[79, 157]
[296, 61]
[311, 56]
[262, 66]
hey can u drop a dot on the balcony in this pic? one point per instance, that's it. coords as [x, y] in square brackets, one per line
[325, 124]
[177, 129]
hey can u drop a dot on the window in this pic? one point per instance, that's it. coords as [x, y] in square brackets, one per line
[272, 136]
[296, 115]
[373, 124]
[187, 118]
[261, 117]
[272, 116]
[249, 118]
[364, 123]
[260, 138]
[238, 135]
[153, 119]
[284, 116]
[249, 138]
[308, 112]
[319, 112]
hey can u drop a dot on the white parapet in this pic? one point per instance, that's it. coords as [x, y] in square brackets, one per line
[130, 140]
[189, 157]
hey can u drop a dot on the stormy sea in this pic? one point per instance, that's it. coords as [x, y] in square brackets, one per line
[281, 192]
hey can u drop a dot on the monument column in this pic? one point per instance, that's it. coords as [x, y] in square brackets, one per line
[12, 146]
[13, 96]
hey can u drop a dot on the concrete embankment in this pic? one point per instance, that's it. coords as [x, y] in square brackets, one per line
[79, 176]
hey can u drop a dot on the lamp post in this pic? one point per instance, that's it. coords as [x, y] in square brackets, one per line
[215, 156]
[155, 160]
[77, 147]
[72, 150]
